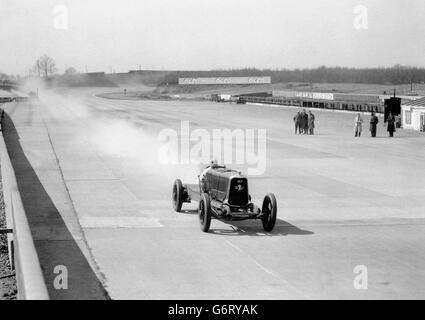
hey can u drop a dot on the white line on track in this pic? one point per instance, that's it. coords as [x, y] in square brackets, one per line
[270, 272]
[119, 222]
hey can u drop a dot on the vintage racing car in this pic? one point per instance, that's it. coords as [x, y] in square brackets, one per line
[222, 193]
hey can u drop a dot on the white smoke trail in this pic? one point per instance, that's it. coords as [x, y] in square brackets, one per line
[136, 147]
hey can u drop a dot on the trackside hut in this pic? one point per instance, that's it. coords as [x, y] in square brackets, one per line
[413, 114]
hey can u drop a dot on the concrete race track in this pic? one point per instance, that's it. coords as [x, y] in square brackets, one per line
[99, 202]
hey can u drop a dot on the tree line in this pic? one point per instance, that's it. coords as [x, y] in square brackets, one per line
[45, 67]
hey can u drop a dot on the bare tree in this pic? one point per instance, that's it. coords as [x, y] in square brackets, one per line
[45, 66]
[35, 70]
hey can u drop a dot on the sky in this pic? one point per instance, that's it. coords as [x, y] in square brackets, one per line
[117, 36]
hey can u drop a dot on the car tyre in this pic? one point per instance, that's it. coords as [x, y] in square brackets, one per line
[204, 212]
[177, 196]
[269, 210]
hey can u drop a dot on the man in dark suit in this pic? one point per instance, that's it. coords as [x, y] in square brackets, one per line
[373, 124]
[302, 121]
[297, 120]
[310, 122]
[391, 124]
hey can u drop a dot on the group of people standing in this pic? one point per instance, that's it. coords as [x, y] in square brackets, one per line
[304, 122]
[373, 124]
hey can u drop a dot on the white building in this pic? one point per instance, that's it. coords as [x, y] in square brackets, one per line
[413, 114]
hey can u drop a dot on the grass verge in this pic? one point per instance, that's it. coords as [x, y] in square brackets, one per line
[8, 287]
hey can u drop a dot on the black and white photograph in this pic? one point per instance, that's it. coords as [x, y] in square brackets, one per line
[212, 155]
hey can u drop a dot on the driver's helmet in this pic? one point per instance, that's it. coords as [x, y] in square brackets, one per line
[213, 163]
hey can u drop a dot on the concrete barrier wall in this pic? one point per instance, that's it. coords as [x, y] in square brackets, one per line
[30, 281]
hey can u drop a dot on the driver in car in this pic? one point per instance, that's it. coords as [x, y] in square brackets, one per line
[213, 164]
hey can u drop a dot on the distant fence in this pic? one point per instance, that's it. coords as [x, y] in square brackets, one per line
[347, 97]
[24, 258]
[358, 106]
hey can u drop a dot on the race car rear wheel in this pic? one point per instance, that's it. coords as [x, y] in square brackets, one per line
[177, 196]
[204, 212]
[269, 210]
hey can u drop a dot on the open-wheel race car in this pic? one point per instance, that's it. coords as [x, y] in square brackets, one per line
[222, 193]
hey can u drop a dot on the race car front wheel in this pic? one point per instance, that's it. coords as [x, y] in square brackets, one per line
[177, 196]
[204, 212]
[269, 211]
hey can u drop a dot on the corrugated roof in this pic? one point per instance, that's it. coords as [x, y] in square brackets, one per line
[415, 103]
